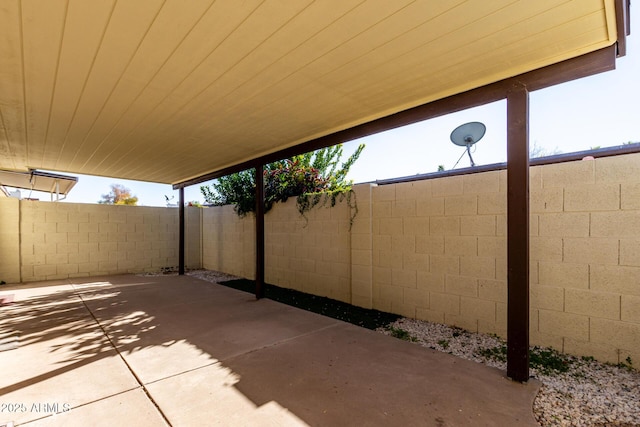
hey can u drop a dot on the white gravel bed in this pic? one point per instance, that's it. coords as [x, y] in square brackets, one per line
[207, 275]
[589, 393]
[211, 276]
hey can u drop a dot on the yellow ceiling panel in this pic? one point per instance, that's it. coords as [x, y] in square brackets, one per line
[13, 149]
[277, 60]
[168, 90]
[126, 29]
[262, 79]
[42, 29]
[455, 57]
[155, 49]
[218, 71]
[83, 31]
[464, 66]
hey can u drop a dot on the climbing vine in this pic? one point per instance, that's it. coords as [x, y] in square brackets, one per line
[314, 178]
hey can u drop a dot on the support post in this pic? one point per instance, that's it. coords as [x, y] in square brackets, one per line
[259, 178]
[181, 232]
[518, 233]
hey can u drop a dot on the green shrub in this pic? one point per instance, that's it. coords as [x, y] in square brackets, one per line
[311, 178]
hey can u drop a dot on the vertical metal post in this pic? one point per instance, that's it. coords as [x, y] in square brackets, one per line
[518, 233]
[259, 178]
[181, 232]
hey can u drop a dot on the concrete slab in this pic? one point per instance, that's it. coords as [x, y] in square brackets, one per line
[132, 408]
[347, 376]
[208, 397]
[209, 355]
[59, 357]
[24, 291]
[46, 374]
[178, 325]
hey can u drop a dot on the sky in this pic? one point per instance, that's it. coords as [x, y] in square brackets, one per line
[596, 111]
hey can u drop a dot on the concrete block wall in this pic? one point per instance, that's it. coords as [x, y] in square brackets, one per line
[432, 249]
[9, 240]
[65, 240]
[585, 263]
[309, 254]
[439, 254]
[437, 246]
[436, 250]
[312, 255]
[362, 248]
[228, 241]
[193, 237]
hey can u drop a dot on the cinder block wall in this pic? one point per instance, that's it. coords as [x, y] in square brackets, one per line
[9, 240]
[311, 255]
[586, 292]
[228, 241]
[362, 248]
[193, 237]
[439, 254]
[63, 240]
[436, 250]
[432, 249]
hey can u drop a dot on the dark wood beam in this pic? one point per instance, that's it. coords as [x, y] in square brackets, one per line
[518, 233]
[623, 25]
[575, 68]
[181, 231]
[259, 178]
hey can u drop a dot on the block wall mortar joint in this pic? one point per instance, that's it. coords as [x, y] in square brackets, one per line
[20, 214]
[619, 196]
[620, 307]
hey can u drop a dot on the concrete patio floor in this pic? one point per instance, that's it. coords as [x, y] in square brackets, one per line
[175, 350]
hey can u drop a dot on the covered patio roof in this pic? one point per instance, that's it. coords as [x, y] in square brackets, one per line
[168, 91]
[180, 92]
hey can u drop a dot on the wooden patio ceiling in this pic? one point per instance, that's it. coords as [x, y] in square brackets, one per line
[167, 91]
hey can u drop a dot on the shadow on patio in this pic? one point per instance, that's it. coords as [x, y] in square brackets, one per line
[134, 350]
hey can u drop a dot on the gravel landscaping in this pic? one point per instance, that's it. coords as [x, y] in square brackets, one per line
[575, 391]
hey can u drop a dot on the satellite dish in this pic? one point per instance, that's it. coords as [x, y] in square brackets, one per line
[467, 135]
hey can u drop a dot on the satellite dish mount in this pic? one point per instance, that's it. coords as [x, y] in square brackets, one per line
[467, 135]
